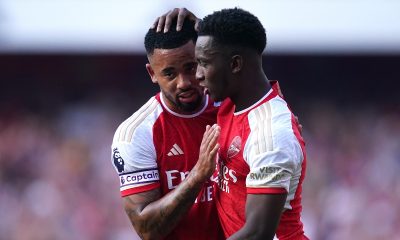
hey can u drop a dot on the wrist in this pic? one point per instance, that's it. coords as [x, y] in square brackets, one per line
[196, 177]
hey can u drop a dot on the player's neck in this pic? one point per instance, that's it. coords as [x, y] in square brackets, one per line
[251, 91]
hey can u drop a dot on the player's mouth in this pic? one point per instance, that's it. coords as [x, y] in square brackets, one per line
[188, 96]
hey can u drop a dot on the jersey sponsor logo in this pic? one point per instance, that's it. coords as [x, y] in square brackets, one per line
[235, 146]
[175, 177]
[206, 195]
[132, 178]
[269, 174]
[175, 151]
[225, 176]
[118, 161]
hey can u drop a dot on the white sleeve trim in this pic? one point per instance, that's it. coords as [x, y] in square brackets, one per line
[133, 150]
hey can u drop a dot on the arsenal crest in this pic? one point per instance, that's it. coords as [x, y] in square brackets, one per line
[235, 146]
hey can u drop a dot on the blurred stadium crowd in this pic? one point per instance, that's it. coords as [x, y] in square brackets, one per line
[57, 181]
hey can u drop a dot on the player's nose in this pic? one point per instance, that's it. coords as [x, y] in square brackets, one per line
[184, 81]
[199, 74]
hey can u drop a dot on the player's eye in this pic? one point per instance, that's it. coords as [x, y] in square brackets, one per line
[191, 68]
[201, 63]
[169, 74]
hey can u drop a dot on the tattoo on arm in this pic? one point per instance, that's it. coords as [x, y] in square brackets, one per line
[155, 217]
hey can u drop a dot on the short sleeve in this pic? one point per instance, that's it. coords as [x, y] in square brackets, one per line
[272, 150]
[133, 155]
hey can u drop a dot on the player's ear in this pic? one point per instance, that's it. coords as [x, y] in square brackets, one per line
[236, 63]
[150, 71]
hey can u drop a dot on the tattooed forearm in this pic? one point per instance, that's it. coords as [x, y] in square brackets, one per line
[170, 214]
[154, 217]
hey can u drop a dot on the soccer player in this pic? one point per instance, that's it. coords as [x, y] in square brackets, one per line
[262, 158]
[165, 152]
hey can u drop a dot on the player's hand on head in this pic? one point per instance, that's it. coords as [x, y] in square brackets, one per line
[164, 21]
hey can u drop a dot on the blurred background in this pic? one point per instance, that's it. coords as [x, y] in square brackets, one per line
[71, 71]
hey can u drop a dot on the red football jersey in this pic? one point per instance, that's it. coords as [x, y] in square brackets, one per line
[156, 148]
[261, 152]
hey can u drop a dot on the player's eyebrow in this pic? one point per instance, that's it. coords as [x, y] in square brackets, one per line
[167, 70]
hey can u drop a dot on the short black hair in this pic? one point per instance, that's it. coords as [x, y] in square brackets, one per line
[235, 27]
[172, 38]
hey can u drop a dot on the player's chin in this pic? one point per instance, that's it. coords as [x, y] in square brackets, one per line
[189, 107]
[192, 105]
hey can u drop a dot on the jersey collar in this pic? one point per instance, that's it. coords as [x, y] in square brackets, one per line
[255, 104]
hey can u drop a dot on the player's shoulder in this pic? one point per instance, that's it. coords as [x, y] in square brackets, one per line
[268, 109]
[273, 116]
[140, 121]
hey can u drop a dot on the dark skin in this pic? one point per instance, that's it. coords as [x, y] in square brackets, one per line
[163, 22]
[152, 215]
[174, 71]
[221, 69]
[260, 208]
[265, 208]
[245, 74]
